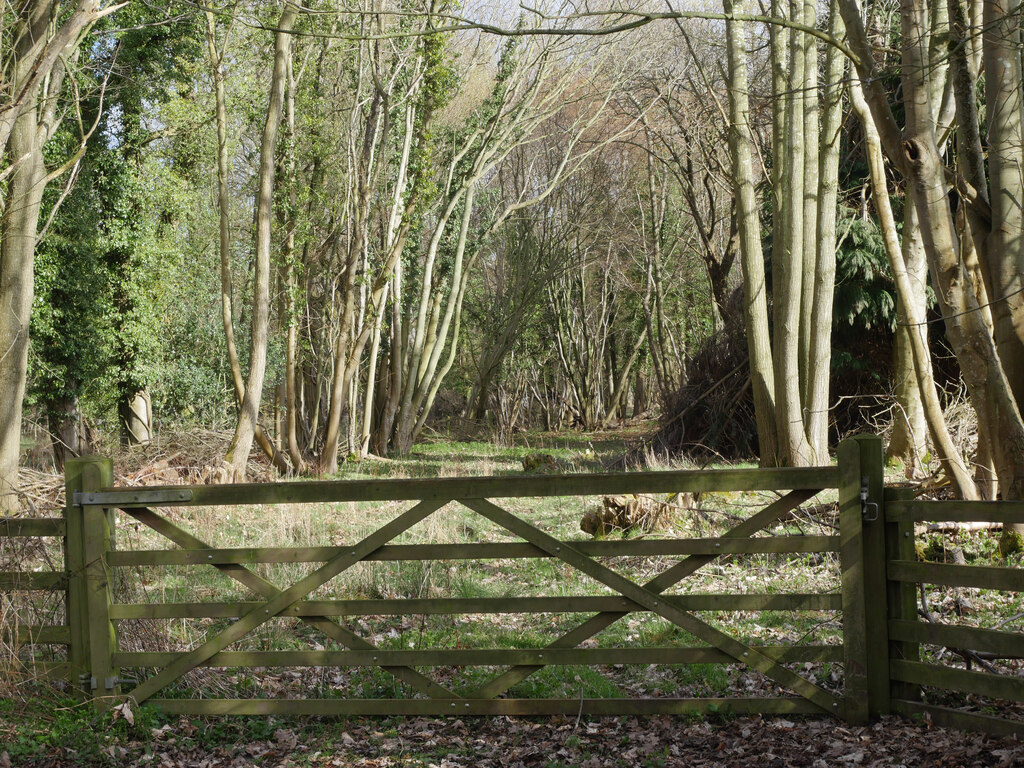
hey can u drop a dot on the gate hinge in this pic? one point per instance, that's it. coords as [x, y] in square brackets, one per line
[868, 509]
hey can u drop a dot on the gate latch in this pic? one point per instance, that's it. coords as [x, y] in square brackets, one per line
[868, 509]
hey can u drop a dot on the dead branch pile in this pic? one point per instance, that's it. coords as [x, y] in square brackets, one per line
[625, 513]
[712, 415]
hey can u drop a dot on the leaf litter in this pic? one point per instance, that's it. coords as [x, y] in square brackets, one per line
[586, 743]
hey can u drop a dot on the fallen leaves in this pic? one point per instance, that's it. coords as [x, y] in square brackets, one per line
[557, 742]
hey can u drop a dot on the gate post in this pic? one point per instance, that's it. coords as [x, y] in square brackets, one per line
[75, 605]
[862, 561]
[97, 536]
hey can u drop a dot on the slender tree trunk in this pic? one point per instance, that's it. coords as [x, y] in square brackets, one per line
[224, 209]
[788, 266]
[949, 456]
[238, 452]
[755, 303]
[819, 368]
[291, 289]
[909, 441]
[811, 190]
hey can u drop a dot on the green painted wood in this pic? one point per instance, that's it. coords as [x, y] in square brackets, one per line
[664, 581]
[901, 596]
[851, 556]
[945, 717]
[443, 489]
[482, 551]
[492, 707]
[41, 526]
[944, 574]
[32, 581]
[490, 605]
[98, 535]
[283, 600]
[872, 463]
[470, 657]
[38, 635]
[965, 681]
[74, 562]
[650, 600]
[265, 589]
[956, 511]
[1008, 644]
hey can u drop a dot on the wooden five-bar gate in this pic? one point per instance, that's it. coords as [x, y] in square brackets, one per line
[882, 632]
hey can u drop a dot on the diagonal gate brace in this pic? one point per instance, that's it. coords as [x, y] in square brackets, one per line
[660, 583]
[648, 598]
[266, 589]
[284, 599]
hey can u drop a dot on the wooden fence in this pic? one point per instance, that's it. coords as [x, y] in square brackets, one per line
[882, 633]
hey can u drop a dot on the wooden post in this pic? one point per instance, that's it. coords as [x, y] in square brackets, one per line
[902, 595]
[76, 608]
[862, 558]
[98, 530]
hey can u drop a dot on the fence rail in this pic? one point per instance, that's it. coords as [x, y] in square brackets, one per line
[876, 593]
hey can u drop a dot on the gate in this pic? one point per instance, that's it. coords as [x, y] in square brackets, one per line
[869, 588]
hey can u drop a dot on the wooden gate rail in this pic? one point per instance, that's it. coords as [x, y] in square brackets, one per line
[445, 489]
[907, 631]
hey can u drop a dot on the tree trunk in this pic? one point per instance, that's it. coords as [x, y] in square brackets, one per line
[238, 453]
[949, 456]
[820, 352]
[17, 251]
[909, 441]
[136, 418]
[224, 210]
[65, 421]
[810, 188]
[755, 301]
[1003, 255]
[965, 326]
[788, 265]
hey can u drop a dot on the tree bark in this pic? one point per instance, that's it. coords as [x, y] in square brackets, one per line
[949, 456]
[755, 300]
[909, 442]
[1003, 256]
[788, 266]
[238, 452]
[17, 252]
[820, 346]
